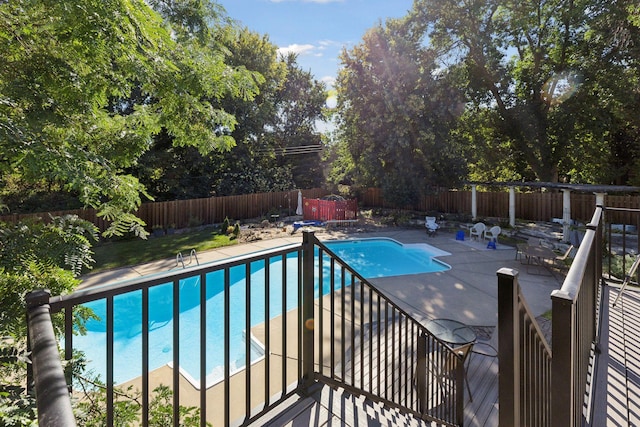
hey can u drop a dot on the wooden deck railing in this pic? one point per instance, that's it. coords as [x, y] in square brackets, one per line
[356, 338]
[333, 327]
[540, 386]
[524, 356]
[371, 346]
[50, 386]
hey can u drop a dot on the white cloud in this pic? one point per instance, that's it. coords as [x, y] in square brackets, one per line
[318, 50]
[298, 49]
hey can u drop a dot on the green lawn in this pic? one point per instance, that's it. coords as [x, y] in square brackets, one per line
[131, 252]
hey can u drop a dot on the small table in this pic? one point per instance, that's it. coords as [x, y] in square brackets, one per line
[451, 331]
[538, 256]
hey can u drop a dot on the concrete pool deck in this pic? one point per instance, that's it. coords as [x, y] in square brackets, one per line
[467, 292]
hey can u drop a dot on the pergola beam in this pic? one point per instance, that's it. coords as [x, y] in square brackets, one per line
[599, 190]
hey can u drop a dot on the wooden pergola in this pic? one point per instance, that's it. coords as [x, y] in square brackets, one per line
[599, 190]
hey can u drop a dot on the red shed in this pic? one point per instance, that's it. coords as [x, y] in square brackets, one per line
[330, 208]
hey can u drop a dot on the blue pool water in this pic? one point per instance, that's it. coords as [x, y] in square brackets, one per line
[369, 257]
[386, 257]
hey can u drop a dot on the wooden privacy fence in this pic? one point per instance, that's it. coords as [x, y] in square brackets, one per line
[530, 206]
[187, 213]
[212, 210]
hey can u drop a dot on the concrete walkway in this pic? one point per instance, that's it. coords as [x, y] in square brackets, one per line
[467, 292]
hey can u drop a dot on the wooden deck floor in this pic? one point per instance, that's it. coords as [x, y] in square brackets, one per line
[617, 380]
[616, 385]
[482, 372]
[327, 405]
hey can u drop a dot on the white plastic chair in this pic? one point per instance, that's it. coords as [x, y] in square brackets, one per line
[493, 233]
[559, 260]
[431, 225]
[477, 230]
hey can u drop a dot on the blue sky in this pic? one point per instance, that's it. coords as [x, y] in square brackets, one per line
[315, 29]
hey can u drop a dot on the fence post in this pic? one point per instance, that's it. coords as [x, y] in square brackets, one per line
[308, 318]
[52, 393]
[508, 347]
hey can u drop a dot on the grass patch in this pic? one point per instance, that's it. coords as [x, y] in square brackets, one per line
[115, 254]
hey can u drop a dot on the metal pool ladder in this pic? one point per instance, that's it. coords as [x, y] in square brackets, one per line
[192, 255]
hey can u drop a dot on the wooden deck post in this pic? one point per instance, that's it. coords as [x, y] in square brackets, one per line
[508, 348]
[562, 375]
[460, 380]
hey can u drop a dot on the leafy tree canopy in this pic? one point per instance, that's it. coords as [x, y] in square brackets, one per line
[278, 120]
[35, 255]
[395, 114]
[85, 87]
[546, 84]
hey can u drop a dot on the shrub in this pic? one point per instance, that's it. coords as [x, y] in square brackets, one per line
[35, 255]
[616, 265]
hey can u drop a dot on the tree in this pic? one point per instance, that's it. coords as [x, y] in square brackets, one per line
[300, 102]
[248, 167]
[174, 173]
[180, 172]
[91, 412]
[611, 85]
[280, 119]
[84, 88]
[395, 115]
[540, 99]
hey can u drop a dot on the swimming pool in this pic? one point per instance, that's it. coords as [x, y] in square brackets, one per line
[387, 257]
[369, 257]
